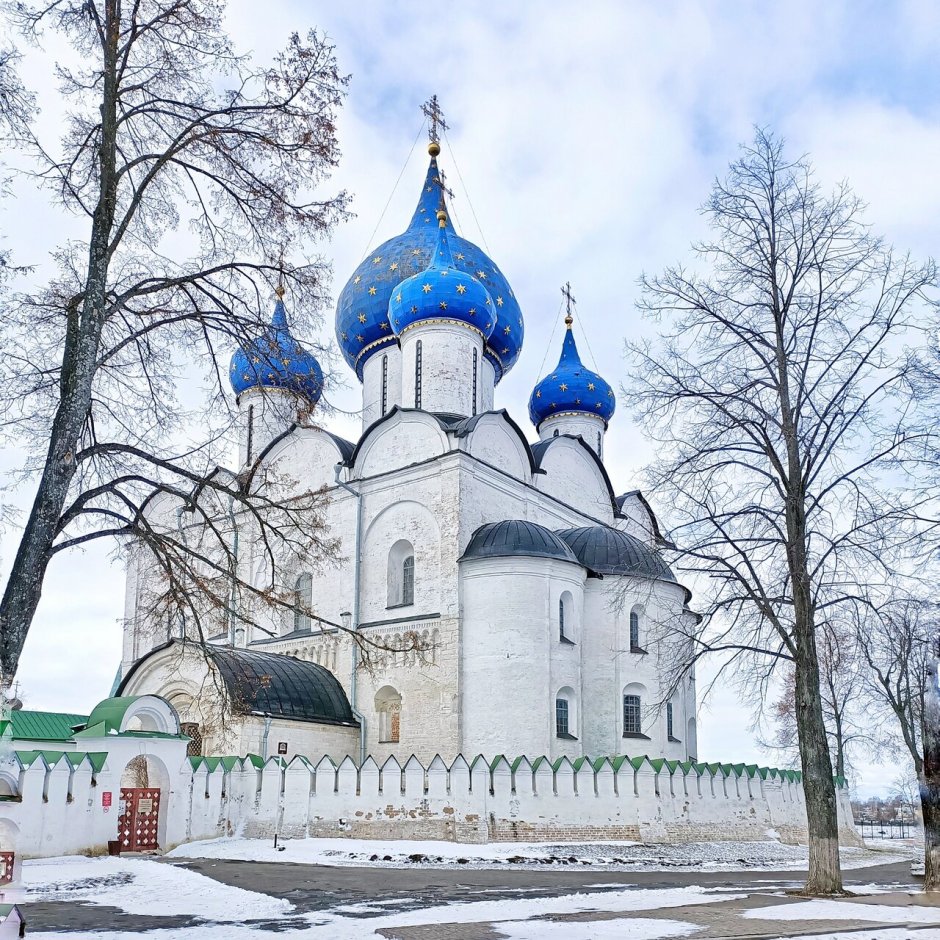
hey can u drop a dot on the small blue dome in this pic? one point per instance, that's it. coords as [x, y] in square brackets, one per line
[277, 360]
[362, 324]
[442, 294]
[571, 387]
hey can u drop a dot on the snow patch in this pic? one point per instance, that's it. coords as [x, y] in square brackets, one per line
[847, 910]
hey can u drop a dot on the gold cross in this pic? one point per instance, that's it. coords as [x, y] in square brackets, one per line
[569, 300]
[432, 111]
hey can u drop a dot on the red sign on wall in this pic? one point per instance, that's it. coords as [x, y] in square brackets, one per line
[106, 799]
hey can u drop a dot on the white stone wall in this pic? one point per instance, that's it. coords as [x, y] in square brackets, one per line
[59, 809]
[383, 368]
[590, 428]
[447, 358]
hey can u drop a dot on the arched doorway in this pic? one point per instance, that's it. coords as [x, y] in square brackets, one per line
[145, 785]
[9, 863]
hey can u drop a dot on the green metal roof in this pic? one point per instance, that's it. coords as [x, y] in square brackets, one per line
[44, 726]
[111, 711]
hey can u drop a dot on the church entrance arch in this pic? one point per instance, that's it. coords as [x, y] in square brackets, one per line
[145, 784]
[9, 864]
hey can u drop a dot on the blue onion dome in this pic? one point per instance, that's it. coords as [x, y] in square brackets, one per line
[571, 388]
[277, 360]
[442, 294]
[362, 324]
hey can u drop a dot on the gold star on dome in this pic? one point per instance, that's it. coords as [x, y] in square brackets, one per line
[481, 275]
[398, 298]
[357, 279]
[590, 386]
[383, 325]
[393, 266]
[428, 189]
[461, 289]
[443, 305]
[486, 326]
[507, 330]
[499, 301]
[598, 406]
[487, 301]
[345, 337]
[506, 350]
[564, 386]
[538, 394]
[472, 311]
[414, 309]
[360, 337]
[377, 259]
[362, 318]
[459, 256]
[416, 251]
[246, 376]
[610, 393]
[444, 273]
[285, 362]
[372, 291]
[426, 288]
[555, 376]
[256, 359]
[552, 404]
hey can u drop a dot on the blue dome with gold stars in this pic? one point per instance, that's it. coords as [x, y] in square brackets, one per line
[362, 324]
[442, 294]
[277, 360]
[571, 388]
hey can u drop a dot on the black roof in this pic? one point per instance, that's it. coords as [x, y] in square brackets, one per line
[281, 686]
[611, 551]
[517, 537]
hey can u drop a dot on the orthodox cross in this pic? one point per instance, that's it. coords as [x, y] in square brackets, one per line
[432, 111]
[569, 300]
[441, 181]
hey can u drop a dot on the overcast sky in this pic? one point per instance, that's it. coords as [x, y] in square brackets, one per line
[586, 136]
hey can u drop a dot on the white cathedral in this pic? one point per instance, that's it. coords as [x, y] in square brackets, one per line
[518, 597]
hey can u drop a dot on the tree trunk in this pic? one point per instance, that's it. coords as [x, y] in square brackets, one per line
[79, 363]
[930, 780]
[825, 874]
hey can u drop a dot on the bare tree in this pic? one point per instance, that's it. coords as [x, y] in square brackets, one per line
[192, 172]
[776, 396]
[900, 644]
[842, 692]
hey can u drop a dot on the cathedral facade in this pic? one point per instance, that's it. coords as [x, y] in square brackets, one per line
[508, 601]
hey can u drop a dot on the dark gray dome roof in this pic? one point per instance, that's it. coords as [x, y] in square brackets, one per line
[517, 537]
[610, 551]
[281, 686]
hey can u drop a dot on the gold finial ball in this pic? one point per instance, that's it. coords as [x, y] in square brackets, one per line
[569, 320]
[434, 148]
[279, 290]
[442, 217]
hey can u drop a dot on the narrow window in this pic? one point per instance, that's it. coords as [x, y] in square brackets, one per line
[631, 715]
[475, 364]
[634, 632]
[408, 580]
[669, 733]
[191, 730]
[384, 384]
[303, 600]
[555, 434]
[561, 717]
[418, 374]
[561, 618]
[251, 430]
[598, 443]
[388, 707]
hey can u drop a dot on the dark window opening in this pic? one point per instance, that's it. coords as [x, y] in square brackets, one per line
[418, 374]
[632, 723]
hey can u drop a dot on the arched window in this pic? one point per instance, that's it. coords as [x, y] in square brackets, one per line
[388, 710]
[555, 434]
[418, 366]
[566, 618]
[633, 711]
[303, 601]
[401, 574]
[251, 431]
[475, 368]
[632, 720]
[566, 719]
[670, 726]
[691, 744]
[384, 384]
[635, 646]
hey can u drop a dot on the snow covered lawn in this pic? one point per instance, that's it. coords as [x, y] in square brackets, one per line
[627, 856]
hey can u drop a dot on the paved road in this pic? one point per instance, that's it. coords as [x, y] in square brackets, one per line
[313, 888]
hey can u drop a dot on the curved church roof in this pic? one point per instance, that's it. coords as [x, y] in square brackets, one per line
[612, 551]
[517, 537]
[362, 323]
[269, 684]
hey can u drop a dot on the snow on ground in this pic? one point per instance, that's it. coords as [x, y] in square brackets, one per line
[139, 886]
[847, 910]
[628, 856]
[636, 928]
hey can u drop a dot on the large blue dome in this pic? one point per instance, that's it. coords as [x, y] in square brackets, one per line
[277, 360]
[362, 324]
[442, 293]
[571, 387]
